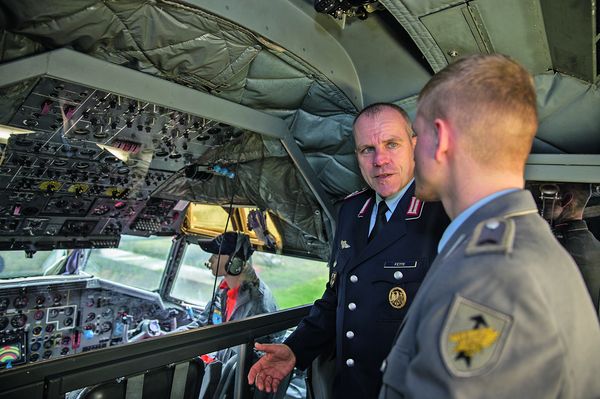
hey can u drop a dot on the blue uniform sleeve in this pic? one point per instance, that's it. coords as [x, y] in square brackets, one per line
[316, 332]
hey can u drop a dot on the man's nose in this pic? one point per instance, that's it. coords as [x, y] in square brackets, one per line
[380, 157]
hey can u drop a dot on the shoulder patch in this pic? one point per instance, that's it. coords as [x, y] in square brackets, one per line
[492, 236]
[354, 194]
[473, 337]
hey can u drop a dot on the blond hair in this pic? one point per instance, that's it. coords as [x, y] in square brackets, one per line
[491, 101]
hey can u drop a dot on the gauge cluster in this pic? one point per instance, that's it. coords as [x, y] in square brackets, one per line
[83, 164]
[41, 321]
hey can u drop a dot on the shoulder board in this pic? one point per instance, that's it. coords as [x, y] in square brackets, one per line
[492, 236]
[354, 194]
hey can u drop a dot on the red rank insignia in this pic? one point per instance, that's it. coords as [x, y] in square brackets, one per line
[414, 209]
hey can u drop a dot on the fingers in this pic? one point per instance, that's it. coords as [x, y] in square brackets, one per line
[254, 370]
[267, 348]
[266, 382]
[267, 372]
[275, 384]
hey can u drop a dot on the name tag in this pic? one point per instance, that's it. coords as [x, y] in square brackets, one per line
[388, 264]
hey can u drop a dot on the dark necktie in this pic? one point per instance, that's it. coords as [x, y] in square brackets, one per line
[380, 220]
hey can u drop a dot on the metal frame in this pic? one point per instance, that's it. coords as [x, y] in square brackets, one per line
[51, 379]
[563, 168]
[75, 67]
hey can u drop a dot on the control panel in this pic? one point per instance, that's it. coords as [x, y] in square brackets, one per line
[41, 322]
[81, 167]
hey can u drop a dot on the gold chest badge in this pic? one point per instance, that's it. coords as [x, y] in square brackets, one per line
[397, 297]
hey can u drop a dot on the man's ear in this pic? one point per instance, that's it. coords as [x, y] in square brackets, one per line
[566, 200]
[442, 132]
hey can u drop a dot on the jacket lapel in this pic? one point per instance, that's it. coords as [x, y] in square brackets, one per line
[393, 231]
[363, 218]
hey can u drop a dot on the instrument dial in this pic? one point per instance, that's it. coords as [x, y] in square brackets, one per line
[18, 321]
[106, 326]
[4, 304]
[39, 314]
[21, 301]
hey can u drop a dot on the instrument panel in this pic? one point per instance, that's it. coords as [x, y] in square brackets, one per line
[41, 322]
[80, 166]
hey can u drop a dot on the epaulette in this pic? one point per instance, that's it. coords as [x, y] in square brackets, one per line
[354, 194]
[492, 236]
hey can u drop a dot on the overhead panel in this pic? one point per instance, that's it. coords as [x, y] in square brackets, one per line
[572, 28]
[88, 157]
[458, 31]
[458, 28]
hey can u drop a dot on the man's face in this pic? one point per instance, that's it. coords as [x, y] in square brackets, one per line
[217, 264]
[425, 187]
[385, 151]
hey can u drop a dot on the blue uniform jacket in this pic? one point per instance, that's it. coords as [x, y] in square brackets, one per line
[370, 289]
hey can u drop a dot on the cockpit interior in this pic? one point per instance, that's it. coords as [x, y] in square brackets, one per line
[131, 129]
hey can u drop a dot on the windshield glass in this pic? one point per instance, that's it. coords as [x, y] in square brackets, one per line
[16, 264]
[139, 261]
[293, 281]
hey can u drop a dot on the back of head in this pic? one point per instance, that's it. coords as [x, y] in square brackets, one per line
[490, 100]
[574, 198]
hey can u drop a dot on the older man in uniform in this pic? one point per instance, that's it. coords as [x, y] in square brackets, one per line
[383, 246]
[503, 312]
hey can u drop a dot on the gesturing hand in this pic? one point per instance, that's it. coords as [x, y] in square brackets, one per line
[277, 362]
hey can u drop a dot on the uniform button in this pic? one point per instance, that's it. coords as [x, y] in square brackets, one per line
[492, 224]
[350, 362]
[354, 278]
[351, 306]
[349, 334]
[398, 275]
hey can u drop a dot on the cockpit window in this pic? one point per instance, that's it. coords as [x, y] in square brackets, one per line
[16, 264]
[139, 261]
[194, 281]
[293, 281]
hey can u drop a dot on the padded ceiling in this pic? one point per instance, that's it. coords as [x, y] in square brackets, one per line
[284, 59]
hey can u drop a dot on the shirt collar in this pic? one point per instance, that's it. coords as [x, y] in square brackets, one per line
[464, 215]
[393, 200]
[232, 293]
